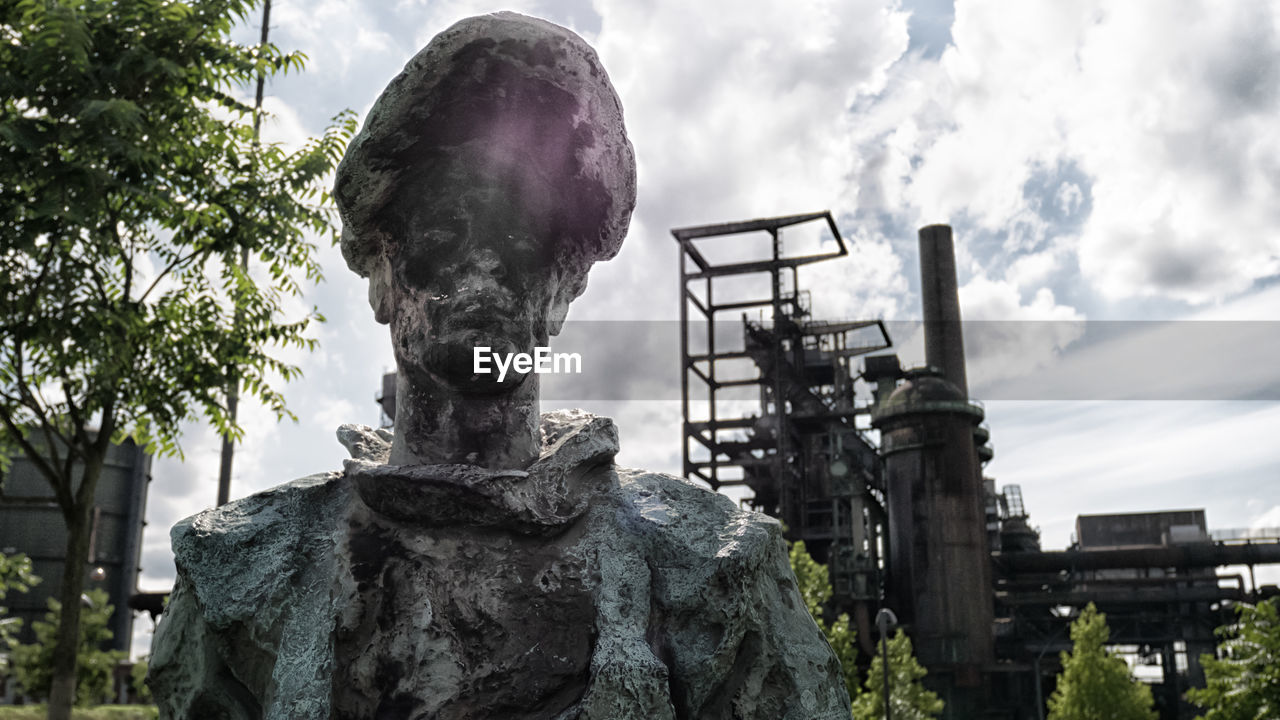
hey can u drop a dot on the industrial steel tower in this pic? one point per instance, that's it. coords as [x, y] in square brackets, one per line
[939, 571]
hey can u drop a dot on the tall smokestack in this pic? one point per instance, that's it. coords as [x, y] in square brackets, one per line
[943, 339]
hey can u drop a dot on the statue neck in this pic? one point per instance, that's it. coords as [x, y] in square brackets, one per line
[436, 424]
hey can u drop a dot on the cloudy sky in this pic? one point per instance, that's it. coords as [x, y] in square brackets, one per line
[1111, 170]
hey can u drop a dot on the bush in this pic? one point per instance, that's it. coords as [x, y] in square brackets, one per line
[138, 679]
[103, 712]
[908, 697]
[1094, 682]
[1243, 681]
[814, 582]
[15, 576]
[33, 664]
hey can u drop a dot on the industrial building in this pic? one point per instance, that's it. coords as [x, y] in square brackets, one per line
[31, 523]
[908, 521]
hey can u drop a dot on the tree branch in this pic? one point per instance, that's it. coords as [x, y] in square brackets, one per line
[98, 451]
[99, 283]
[168, 269]
[107, 427]
[128, 264]
[61, 493]
[80, 440]
[37, 407]
[35, 286]
[36, 402]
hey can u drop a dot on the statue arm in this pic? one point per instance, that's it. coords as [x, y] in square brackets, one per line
[245, 633]
[187, 674]
[772, 662]
[727, 618]
[794, 650]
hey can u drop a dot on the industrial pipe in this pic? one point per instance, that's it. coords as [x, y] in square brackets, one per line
[1179, 556]
[1038, 583]
[1122, 596]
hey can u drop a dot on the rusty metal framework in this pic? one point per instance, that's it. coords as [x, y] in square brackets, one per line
[768, 404]
[1159, 591]
[777, 395]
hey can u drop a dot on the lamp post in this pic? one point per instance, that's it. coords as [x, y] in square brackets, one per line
[1039, 691]
[1045, 648]
[885, 619]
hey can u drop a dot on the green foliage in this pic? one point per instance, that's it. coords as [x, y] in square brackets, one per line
[15, 576]
[33, 664]
[138, 679]
[1094, 683]
[908, 698]
[130, 180]
[843, 638]
[102, 712]
[814, 582]
[1244, 684]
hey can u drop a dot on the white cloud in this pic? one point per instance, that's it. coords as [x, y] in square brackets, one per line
[1005, 338]
[1263, 305]
[867, 284]
[1267, 520]
[1069, 198]
[1033, 271]
[1179, 360]
[1145, 131]
[283, 124]
[737, 111]
[341, 38]
[1080, 458]
[1000, 88]
[1178, 128]
[1169, 115]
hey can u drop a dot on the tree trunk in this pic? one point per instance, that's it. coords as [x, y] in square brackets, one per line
[62, 691]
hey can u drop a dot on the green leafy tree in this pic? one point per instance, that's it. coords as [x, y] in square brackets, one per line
[33, 664]
[1094, 683]
[15, 576]
[908, 698]
[130, 182]
[1244, 683]
[814, 582]
[138, 679]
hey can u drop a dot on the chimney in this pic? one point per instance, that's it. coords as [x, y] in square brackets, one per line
[943, 338]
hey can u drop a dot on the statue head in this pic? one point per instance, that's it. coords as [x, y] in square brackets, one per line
[488, 177]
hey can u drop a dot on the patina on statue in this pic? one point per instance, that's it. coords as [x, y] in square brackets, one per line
[487, 561]
[486, 180]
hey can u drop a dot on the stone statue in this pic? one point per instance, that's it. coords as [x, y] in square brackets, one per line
[486, 561]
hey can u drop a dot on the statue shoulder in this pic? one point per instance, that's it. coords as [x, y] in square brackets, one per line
[718, 571]
[248, 621]
[236, 555]
[693, 524]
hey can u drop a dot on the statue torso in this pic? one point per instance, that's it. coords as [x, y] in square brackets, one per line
[461, 622]
[571, 591]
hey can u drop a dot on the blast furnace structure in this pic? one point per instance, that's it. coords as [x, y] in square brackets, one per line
[779, 404]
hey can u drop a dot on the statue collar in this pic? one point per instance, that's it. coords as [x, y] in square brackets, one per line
[553, 492]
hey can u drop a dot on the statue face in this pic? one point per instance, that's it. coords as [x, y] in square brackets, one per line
[486, 180]
[475, 266]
